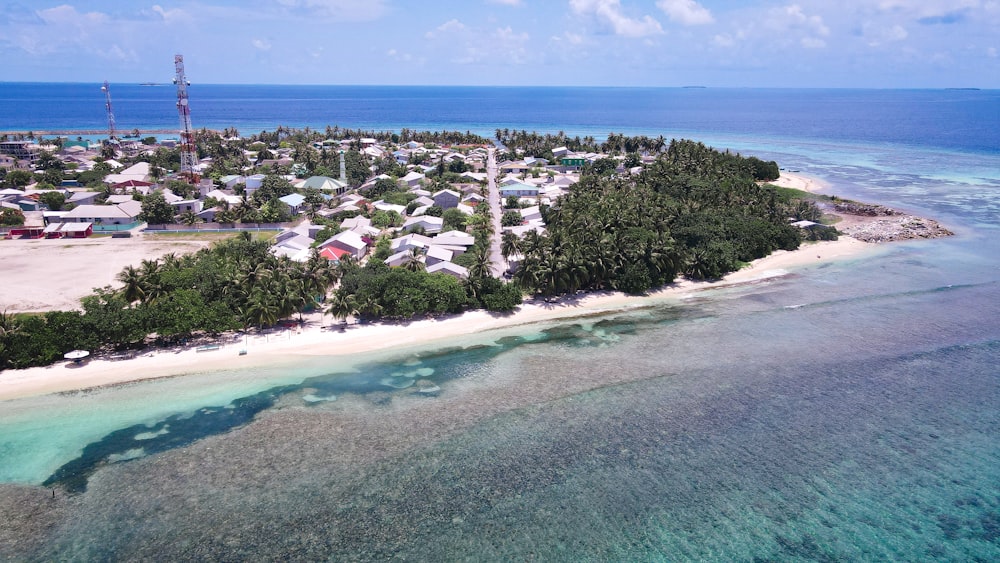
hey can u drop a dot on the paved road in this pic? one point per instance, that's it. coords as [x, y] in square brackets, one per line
[497, 264]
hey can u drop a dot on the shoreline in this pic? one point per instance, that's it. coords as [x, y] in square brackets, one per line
[312, 339]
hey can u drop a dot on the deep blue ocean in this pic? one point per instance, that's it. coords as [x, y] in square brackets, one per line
[844, 411]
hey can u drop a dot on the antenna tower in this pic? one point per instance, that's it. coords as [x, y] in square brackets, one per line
[111, 114]
[189, 155]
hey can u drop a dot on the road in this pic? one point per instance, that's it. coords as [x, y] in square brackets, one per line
[497, 263]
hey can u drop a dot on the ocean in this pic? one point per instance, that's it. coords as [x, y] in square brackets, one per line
[845, 411]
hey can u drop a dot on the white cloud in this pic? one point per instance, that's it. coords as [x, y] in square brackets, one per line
[261, 45]
[450, 26]
[65, 14]
[170, 16]
[991, 52]
[610, 13]
[686, 12]
[338, 10]
[506, 2]
[116, 53]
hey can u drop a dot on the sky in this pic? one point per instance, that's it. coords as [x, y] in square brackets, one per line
[634, 43]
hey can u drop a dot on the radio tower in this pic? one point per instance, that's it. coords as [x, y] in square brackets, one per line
[111, 114]
[189, 155]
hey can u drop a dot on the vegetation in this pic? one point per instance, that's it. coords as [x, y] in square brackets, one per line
[695, 211]
[237, 283]
[11, 217]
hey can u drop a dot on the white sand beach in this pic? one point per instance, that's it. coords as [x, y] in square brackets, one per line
[314, 340]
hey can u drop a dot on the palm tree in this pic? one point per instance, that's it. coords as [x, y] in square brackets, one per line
[510, 245]
[481, 266]
[341, 306]
[189, 218]
[412, 261]
[135, 283]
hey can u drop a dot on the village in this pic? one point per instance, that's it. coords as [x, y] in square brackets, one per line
[420, 214]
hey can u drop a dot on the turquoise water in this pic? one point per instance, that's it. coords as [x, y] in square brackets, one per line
[846, 411]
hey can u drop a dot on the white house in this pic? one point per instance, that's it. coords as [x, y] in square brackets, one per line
[349, 241]
[428, 223]
[449, 268]
[446, 199]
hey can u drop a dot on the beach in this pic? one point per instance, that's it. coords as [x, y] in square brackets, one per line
[322, 336]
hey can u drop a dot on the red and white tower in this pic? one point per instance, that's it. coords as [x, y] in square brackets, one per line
[189, 154]
[111, 114]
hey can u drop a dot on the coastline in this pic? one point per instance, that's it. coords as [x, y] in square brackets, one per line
[314, 339]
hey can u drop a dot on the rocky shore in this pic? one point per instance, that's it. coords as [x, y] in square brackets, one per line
[878, 223]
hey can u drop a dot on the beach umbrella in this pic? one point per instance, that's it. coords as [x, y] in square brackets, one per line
[76, 355]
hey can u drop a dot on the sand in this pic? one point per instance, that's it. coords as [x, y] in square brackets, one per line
[54, 274]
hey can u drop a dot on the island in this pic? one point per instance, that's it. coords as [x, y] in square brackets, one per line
[343, 236]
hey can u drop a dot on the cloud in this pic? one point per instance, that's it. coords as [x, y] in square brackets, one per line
[261, 45]
[792, 19]
[450, 26]
[506, 2]
[66, 14]
[944, 19]
[686, 12]
[610, 13]
[337, 10]
[170, 16]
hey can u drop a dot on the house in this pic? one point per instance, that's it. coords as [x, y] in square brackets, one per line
[412, 179]
[454, 238]
[294, 202]
[349, 241]
[449, 268]
[560, 152]
[405, 243]
[122, 216]
[185, 205]
[253, 183]
[325, 184]
[426, 222]
[532, 213]
[399, 258]
[138, 172]
[334, 253]
[446, 199]
[84, 198]
[437, 254]
[518, 189]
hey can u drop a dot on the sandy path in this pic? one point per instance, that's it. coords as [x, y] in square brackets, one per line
[53, 274]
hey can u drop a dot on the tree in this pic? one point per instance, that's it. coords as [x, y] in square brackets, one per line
[53, 200]
[511, 219]
[341, 306]
[189, 218]
[156, 210]
[11, 217]
[17, 178]
[454, 220]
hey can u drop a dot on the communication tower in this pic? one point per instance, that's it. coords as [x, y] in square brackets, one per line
[189, 154]
[111, 114]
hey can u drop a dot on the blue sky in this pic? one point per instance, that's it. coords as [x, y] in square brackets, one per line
[755, 43]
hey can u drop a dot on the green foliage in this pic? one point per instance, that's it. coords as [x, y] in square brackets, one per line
[497, 296]
[399, 293]
[399, 198]
[511, 219]
[17, 179]
[11, 217]
[53, 200]
[156, 210]
[271, 188]
[383, 186]
[454, 220]
[695, 211]
[434, 211]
